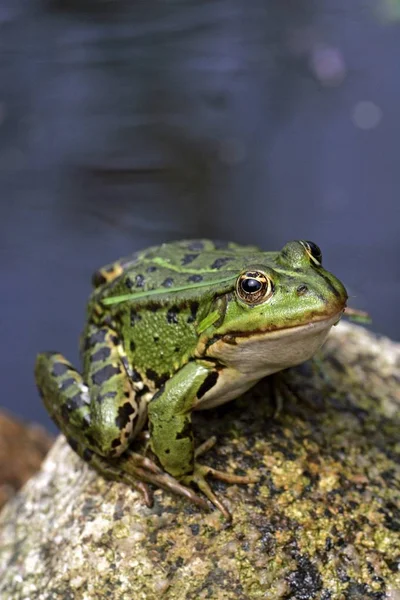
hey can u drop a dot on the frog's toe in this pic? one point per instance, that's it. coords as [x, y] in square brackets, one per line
[144, 469]
[198, 477]
[108, 470]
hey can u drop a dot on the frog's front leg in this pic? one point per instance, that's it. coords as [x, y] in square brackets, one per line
[171, 436]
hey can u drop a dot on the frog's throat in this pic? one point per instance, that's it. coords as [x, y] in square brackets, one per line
[264, 352]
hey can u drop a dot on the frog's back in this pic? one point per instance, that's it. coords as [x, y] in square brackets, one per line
[172, 267]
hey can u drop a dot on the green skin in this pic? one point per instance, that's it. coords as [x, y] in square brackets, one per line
[171, 330]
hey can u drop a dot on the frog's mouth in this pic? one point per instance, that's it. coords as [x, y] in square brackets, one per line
[260, 353]
[314, 323]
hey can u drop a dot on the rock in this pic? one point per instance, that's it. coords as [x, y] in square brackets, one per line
[323, 522]
[22, 449]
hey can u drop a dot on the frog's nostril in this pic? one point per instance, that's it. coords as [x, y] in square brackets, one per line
[302, 289]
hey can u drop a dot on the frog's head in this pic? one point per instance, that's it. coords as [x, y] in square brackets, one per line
[279, 313]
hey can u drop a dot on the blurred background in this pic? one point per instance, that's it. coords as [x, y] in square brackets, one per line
[124, 124]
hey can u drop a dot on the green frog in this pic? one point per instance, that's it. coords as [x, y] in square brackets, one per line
[176, 328]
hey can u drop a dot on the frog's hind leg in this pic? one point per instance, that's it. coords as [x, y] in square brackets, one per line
[107, 470]
[105, 411]
[72, 408]
[63, 392]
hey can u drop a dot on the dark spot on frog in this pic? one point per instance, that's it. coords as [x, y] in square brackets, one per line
[67, 383]
[129, 283]
[220, 262]
[98, 279]
[132, 346]
[167, 451]
[207, 384]
[135, 317]
[158, 380]
[141, 392]
[59, 368]
[212, 340]
[87, 455]
[188, 258]
[115, 443]
[101, 354]
[156, 339]
[104, 374]
[140, 280]
[168, 282]
[151, 375]
[153, 307]
[96, 338]
[195, 278]
[135, 376]
[186, 432]
[172, 315]
[196, 246]
[77, 401]
[108, 395]
[71, 405]
[177, 349]
[124, 415]
[194, 307]
[151, 269]
[115, 340]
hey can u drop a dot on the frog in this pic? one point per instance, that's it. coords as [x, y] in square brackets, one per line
[176, 328]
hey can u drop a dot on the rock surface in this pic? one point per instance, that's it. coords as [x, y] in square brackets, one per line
[22, 449]
[323, 522]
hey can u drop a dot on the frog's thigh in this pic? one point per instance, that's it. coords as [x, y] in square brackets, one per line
[170, 418]
[64, 394]
[102, 411]
[117, 411]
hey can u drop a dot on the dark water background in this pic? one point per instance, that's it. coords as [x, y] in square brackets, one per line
[124, 124]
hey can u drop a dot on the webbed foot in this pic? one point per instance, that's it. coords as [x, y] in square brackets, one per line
[137, 471]
[133, 467]
[200, 472]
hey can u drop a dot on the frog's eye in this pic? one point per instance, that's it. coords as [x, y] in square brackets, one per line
[313, 252]
[254, 287]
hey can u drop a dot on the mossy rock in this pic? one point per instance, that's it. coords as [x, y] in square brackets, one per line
[322, 523]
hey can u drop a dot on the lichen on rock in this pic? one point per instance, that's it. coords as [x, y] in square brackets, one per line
[323, 522]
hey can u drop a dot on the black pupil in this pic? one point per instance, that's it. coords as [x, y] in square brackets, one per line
[251, 285]
[315, 251]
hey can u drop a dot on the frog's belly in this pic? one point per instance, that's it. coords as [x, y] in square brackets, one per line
[252, 358]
